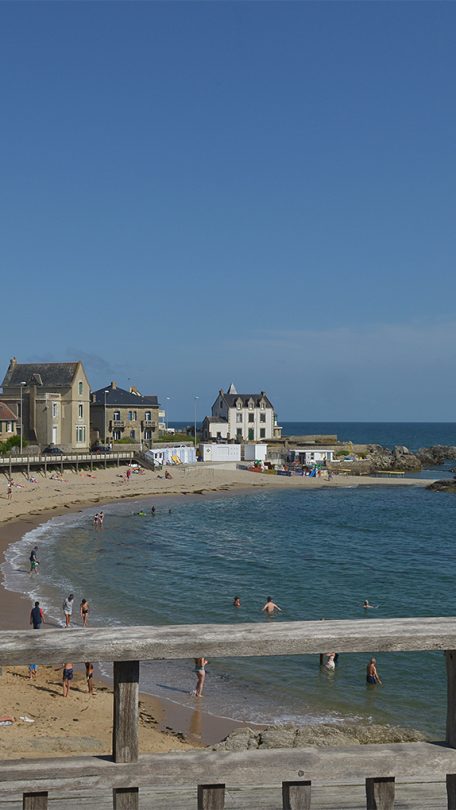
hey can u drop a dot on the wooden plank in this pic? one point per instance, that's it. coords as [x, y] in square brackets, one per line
[296, 795]
[451, 790]
[186, 641]
[418, 761]
[450, 656]
[125, 798]
[125, 745]
[35, 801]
[211, 797]
[380, 793]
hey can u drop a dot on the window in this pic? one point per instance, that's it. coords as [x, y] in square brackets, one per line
[80, 434]
[239, 417]
[262, 433]
[148, 416]
[262, 405]
[262, 417]
[80, 387]
[147, 435]
[251, 417]
[116, 416]
[55, 409]
[132, 416]
[250, 405]
[239, 433]
[239, 405]
[132, 434]
[116, 435]
[80, 410]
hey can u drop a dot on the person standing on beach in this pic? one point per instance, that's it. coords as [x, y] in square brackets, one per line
[84, 611]
[200, 664]
[372, 676]
[37, 616]
[67, 677]
[9, 491]
[68, 609]
[89, 677]
[34, 561]
[270, 607]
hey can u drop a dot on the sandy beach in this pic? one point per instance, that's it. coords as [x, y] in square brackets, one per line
[164, 724]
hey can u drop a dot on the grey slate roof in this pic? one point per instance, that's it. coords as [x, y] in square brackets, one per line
[119, 396]
[48, 375]
[231, 399]
[215, 419]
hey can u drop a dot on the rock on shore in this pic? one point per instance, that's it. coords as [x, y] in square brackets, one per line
[443, 486]
[242, 739]
[381, 459]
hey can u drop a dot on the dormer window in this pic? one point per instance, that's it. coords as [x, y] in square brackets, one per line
[80, 388]
[239, 405]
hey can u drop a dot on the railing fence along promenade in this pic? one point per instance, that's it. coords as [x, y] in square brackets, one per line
[126, 771]
[11, 463]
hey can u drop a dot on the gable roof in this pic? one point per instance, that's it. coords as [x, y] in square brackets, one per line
[6, 414]
[48, 375]
[119, 396]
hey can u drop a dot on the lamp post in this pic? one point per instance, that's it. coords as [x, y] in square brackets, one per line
[105, 420]
[22, 420]
[195, 398]
[166, 414]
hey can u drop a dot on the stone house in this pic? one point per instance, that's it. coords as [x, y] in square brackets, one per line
[241, 417]
[8, 422]
[55, 402]
[116, 414]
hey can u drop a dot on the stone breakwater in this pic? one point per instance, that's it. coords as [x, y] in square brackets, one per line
[376, 458]
[242, 739]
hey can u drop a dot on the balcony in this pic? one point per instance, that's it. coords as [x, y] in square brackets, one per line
[116, 423]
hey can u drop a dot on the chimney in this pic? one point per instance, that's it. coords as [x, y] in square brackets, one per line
[113, 385]
[12, 364]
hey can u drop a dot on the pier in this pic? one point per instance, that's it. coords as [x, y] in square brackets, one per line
[421, 775]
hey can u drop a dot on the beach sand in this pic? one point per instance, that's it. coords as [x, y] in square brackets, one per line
[81, 723]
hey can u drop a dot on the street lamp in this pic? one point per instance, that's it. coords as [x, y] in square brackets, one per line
[166, 414]
[194, 421]
[22, 421]
[105, 421]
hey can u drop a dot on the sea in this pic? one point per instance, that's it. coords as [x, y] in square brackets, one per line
[318, 553]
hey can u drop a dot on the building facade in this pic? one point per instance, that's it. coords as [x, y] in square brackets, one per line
[241, 417]
[8, 422]
[119, 414]
[51, 403]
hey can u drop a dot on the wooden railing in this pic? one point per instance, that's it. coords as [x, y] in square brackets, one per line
[11, 463]
[125, 772]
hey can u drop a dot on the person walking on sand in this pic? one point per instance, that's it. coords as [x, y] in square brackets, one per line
[33, 669]
[200, 664]
[89, 677]
[84, 611]
[9, 491]
[67, 677]
[270, 607]
[68, 609]
[372, 676]
[37, 616]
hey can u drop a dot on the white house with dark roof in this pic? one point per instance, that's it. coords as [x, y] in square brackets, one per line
[55, 402]
[116, 413]
[241, 417]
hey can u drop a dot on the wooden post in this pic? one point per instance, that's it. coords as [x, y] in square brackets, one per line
[296, 795]
[451, 790]
[211, 797]
[35, 801]
[125, 798]
[380, 793]
[451, 697]
[125, 727]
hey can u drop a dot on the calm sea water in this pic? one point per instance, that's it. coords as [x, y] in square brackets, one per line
[318, 554]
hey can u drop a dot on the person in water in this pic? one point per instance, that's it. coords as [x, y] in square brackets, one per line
[237, 601]
[200, 664]
[270, 607]
[366, 605]
[84, 611]
[372, 676]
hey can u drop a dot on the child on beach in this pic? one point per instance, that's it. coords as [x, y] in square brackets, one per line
[68, 609]
[67, 677]
[84, 611]
[33, 669]
[89, 677]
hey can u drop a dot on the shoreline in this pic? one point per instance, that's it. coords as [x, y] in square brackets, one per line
[26, 512]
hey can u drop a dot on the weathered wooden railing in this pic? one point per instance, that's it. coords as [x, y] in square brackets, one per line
[126, 771]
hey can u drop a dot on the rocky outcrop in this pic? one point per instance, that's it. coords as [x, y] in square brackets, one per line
[430, 456]
[243, 739]
[400, 458]
[443, 486]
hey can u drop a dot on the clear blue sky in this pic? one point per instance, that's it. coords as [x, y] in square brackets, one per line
[198, 193]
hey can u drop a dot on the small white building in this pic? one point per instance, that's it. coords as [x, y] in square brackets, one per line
[312, 455]
[241, 417]
[220, 452]
[173, 454]
[255, 452]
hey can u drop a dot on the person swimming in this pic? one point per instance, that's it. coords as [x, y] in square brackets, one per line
[237, 601]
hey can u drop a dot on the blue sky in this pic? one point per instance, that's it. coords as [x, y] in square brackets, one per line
[260, 192]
